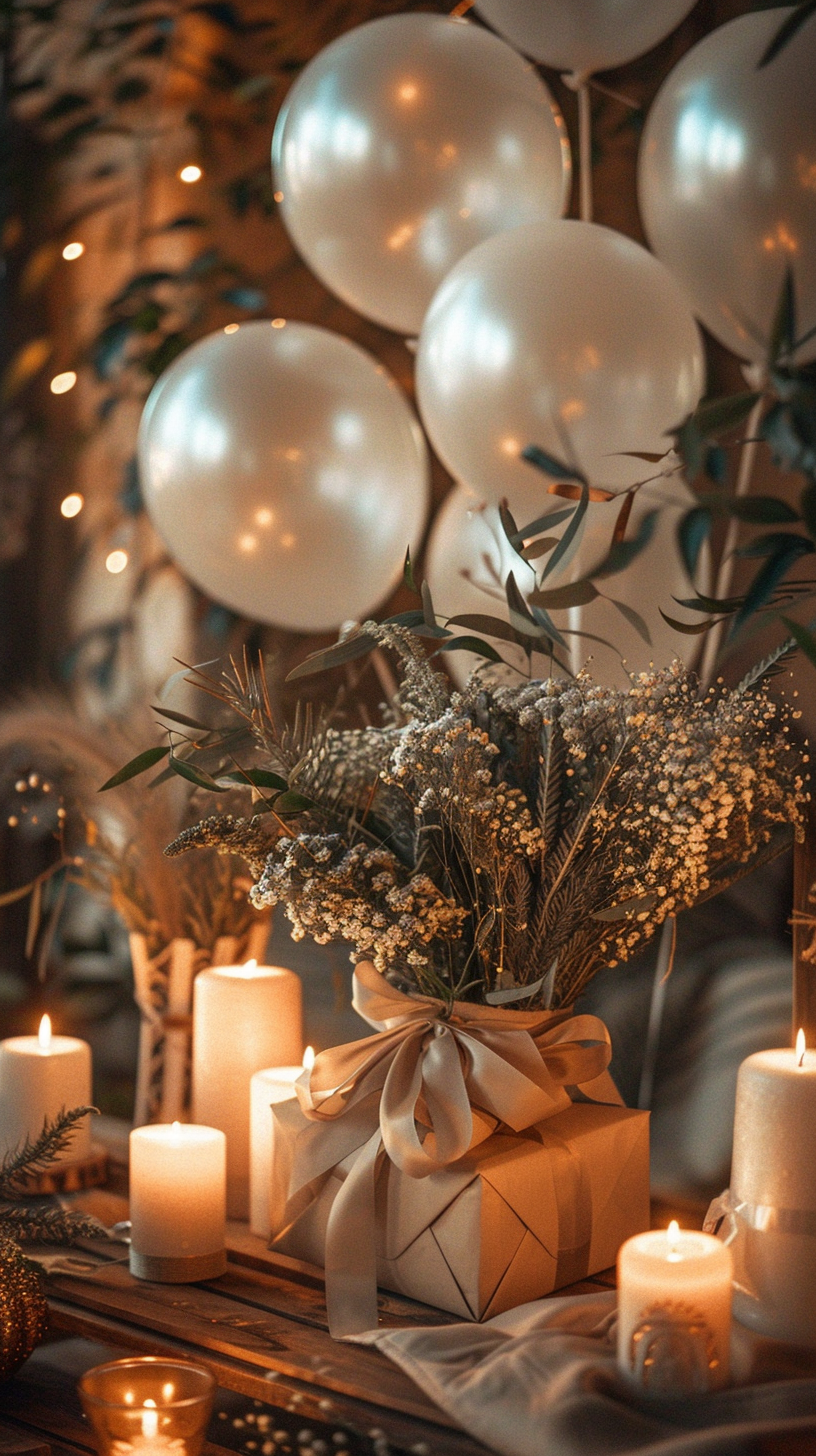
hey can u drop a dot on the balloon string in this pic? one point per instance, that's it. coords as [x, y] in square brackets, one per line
[756, 378]
[578, 81]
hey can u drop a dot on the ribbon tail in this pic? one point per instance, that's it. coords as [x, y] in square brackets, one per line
[351, 1249]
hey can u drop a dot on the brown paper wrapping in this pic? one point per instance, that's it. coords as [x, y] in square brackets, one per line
[520, 1215]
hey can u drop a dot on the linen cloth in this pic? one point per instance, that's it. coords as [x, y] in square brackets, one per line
[542, 1380]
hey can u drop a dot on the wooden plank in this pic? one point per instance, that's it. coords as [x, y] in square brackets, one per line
[301, 1286]
[311, 1403]
[205, 1320]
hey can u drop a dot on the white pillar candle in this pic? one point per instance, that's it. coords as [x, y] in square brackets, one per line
[39, 1076]
[273, 1084]
[177, 1202]
[245, 1018]
[674, 1311]
[773, 1187]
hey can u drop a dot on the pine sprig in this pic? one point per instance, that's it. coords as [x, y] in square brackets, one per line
[47, 1224]
[34, 1156]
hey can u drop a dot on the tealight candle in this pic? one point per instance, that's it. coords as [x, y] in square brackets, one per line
[177, 1202]
[245, 1018]
[674, 1311]
[773, 1189]
[39, 1076]
[273, 1084]
[148, 1406]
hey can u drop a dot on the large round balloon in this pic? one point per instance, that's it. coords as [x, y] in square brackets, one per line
[404, 144]
[564, 335]
[285, 472]
[469, 557]
[584, 35]
[727, 179]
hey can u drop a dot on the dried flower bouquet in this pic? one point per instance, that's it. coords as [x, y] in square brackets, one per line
[505, 843]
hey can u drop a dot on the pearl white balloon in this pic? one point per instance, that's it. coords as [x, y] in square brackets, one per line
[405, 143]
[584, 35]
[467, 551]
[564, 335]
[285, 472]
[727, 179]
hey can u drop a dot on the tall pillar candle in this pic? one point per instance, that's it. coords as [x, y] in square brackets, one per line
[39, 1077]
[674, 1311]
[177, 1202]
[245, 1018]
[773, 1193]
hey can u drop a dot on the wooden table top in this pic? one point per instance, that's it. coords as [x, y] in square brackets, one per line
[263, 1331]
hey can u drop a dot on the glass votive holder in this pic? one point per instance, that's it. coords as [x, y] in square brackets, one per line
[148, 1406]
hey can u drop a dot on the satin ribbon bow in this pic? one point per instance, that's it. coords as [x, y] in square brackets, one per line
[411, 1092]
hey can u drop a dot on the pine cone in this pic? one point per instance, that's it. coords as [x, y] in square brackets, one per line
[23, 1310]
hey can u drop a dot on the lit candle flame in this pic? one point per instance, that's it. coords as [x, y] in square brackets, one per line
[44, 1034]
[673, 1237]
[150, 1419]
[308, 1058]
[801, 1047]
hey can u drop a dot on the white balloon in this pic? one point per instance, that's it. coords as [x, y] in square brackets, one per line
[405, 143]
[584, 35]
[564, 335]
[468, 554]
[286, 473]
[727, 179]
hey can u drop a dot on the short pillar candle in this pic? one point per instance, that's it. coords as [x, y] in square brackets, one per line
[674, 1311]
[272, 1085]
[39, 1077]
[177, 1202]
[245, 1018]
[773, 1191]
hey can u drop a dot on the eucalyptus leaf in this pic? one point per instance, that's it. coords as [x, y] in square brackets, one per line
[803, 638]
[258, 778]
[634, 619]
[541, 523]
[787, 30]
[181, 718]
[769, 576]
[472, 644]
[761, 510]
[508, 523]
[692, 533]
[716, 416]
[574, 594]
[493, 626]
[783, 330]
[136, 766]
[571, 537]
[551, 465]
[690, 629]
[193, 775]
[539, 548]
[292, 803]
[357, 645]
[774, 541]
[621, 554]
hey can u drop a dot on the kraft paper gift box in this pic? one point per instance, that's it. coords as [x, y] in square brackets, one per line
[469, 1155]
[522, 1214]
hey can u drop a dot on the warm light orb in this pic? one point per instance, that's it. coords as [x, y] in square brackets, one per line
[72, 505]
[61, 383]
[116, 561]
[44, 1034]
[72, 251]
[231, 328]
[190, 173]
[801, 1047]
[279, 323]
[308, 1058]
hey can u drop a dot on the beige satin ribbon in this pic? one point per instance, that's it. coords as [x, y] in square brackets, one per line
[409, 1092]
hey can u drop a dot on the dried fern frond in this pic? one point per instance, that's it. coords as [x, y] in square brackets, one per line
[37, 1154]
